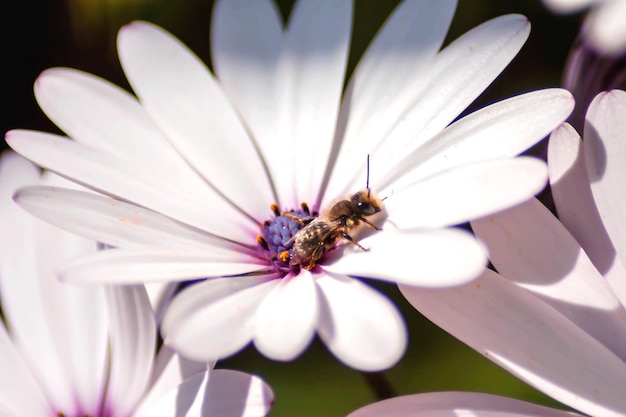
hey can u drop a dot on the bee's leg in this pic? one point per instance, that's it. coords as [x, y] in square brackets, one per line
[303, 221]
[355, 243]
[315, 256]
[367, 222]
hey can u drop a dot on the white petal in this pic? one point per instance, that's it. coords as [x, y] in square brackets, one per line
[604, 156]
[519, 332]
[360, 326]
[47, 319]
[215, 318]
[576, 208]
[113, 222]
[187, 104]
[500, 130]
[246, 39]
[530, 247]
[120, 266]
[459, 74]
[314, 58]
[387, 81]
[607, 31]
[468, 192]
[449, 404]
[124, 178]
[429, 258]
[170, 370]
[287, 317]
[19, 393]
[220, 393]
[103, 116]
[133, 346]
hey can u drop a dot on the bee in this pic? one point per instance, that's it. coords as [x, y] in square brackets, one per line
[320, 234]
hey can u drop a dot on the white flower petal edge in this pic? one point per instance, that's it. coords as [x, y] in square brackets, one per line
[445, 92]
[47, 319]
[360, 326]
[187, 104]
[123, 178]
[313, 64]
[388, 79]
[430, 258]
[119, 266]
[604, 156]
[133, 343]
[220, 393]
[287, 317]
[447, 404]
[471, 191]
[19, 392]
[498, 318]
[531, 248]
[113, 222]
[500, 130]
[223, 308]
[170, 370]
[574, 201]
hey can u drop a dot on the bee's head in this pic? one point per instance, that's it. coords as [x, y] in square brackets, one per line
[367, 203]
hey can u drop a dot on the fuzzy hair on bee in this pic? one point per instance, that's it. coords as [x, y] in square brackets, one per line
[320, 234]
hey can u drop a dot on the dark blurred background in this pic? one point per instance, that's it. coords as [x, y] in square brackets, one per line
[81, 34]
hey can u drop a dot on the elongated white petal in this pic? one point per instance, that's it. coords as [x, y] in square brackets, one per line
[133, 346]
[428, 258]
[113, 222]
[170, 370]
[220, 393]
[287, 317]
[468, 192]
[530, 247]
[120, 266]
[604, 157]
[122, 177]
[314, 58]
[447, 404]
[47, 319]
[361, 327]
[387, 80]
[459, 74]
[19, 392]
[246, 40]
[577, 209]
[532, 340]
[215, 318]
[500, 130]
[188, 105]
[101, 115]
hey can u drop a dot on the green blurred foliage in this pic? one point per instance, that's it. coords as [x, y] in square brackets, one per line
[81, 34]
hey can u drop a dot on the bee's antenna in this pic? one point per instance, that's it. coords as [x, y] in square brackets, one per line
[367, 181]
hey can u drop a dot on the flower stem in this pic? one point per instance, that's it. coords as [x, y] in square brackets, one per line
[380, 385]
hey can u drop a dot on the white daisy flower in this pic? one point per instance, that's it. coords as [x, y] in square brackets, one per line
[191, 168]
[556, 316]
[604, 29]
[72, 350]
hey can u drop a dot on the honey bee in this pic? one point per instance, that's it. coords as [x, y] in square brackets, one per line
[320, 234]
